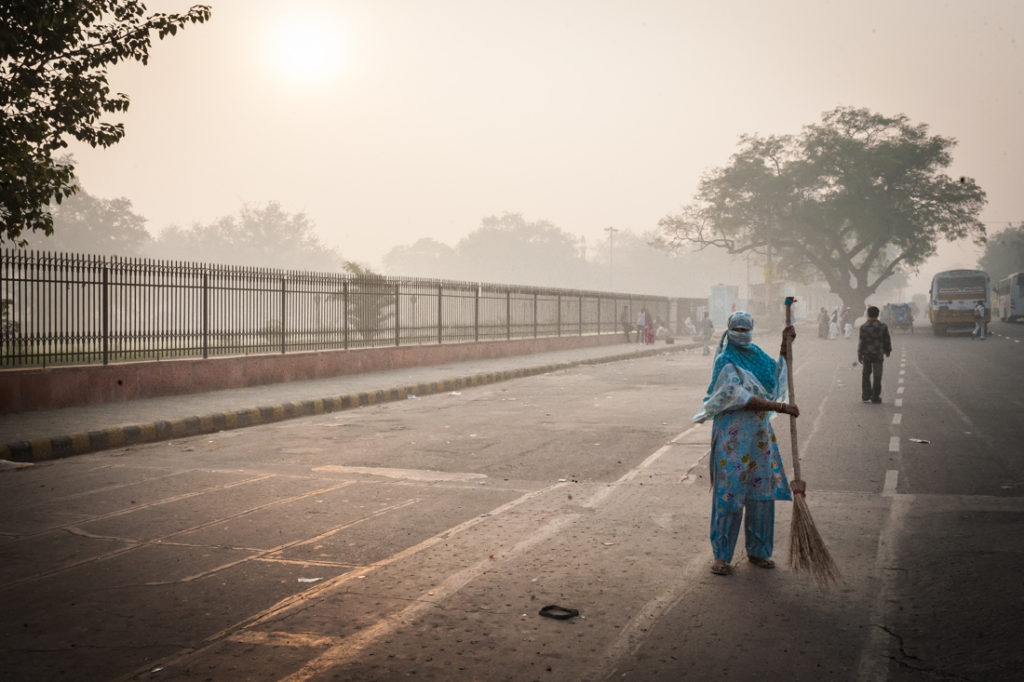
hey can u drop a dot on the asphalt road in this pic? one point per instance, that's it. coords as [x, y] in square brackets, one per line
[420, 539]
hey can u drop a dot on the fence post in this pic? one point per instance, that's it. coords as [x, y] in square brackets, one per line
[206, 314]
[558, 319]
[440, 307]
[581, 315]
[344, 308]
[535, 314]
[476, 313]
[508, 314]
[284, 279]
[398, 325]
[106, 312]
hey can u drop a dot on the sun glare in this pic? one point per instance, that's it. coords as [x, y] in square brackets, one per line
[307, 48]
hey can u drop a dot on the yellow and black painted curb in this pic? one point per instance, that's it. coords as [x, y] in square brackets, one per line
[43, 449]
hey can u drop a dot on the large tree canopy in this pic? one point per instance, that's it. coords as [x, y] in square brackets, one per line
[510, 249]
[84, 223]
[427, 257]
[1004, 253]
[513, 250]
[54, 57]
[851, 200]
[258, 236]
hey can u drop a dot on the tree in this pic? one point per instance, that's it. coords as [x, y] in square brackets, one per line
[1004, 253]
[87, 224]
[638, 266]
[370, 302]
[509, 249]
[259, 236]
[427, 257]
[54, 57]
[852, 200]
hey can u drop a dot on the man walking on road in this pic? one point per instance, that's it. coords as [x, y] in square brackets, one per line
[874, 344]
[980, 327]
[627, 323]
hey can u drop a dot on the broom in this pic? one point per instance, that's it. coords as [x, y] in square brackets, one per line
[807, 551]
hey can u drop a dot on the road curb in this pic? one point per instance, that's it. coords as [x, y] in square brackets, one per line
[57, 447]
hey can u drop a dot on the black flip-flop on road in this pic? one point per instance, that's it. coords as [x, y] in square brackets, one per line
[558, 612]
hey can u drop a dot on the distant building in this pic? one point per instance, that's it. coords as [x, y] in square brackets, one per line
[722, 303]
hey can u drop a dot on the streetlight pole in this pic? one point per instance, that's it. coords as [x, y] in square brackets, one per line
[611, 271]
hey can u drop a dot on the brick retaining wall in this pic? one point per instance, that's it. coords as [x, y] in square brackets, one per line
[25, 390]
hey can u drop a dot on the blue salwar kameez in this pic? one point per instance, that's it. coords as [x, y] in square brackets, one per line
[746, 468]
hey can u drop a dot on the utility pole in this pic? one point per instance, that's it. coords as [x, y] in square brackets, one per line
[611, 270]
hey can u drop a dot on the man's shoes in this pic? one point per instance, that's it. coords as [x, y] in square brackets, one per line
[865, 400]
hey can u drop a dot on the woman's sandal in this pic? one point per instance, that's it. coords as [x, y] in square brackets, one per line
[721, 567]
[761, 563]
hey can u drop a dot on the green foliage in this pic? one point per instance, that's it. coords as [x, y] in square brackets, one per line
[257, 236]
[54, 57]
[1004, 253]
[853, 200]
[510, 249]
[9, 329]
[427, 257]
[87, 224]
[371, 302]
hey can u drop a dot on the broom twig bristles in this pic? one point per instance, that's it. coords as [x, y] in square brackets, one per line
[807, 550]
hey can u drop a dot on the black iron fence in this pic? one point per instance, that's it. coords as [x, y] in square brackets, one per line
[86, 309]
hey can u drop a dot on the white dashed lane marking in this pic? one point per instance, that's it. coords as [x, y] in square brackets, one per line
[891, 479]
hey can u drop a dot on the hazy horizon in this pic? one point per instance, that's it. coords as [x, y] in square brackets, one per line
[385, 122]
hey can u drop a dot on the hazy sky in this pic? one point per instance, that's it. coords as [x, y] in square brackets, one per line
[390, 120]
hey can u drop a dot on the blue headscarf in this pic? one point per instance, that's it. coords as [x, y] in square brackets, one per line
[738, 349]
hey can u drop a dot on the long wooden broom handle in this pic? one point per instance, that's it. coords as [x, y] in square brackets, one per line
[792, 394]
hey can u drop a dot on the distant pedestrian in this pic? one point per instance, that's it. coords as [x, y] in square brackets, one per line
[823, 323]
[706, 330]
[626, 321]
[847, 324]
[874, 346]
[641, 324]
[649, 329]
[980, 325]
[662, 332]
[833, 325]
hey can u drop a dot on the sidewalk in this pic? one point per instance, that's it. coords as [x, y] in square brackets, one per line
[50, 434]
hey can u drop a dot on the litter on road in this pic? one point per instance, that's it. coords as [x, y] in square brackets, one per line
[558, 612]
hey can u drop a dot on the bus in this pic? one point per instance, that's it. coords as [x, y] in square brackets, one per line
[953, 297]
[1010, 297]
